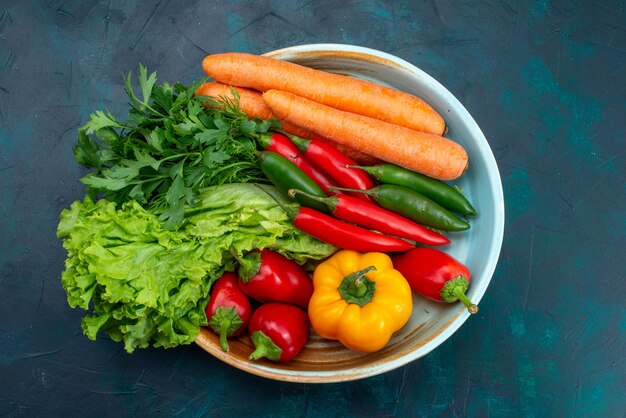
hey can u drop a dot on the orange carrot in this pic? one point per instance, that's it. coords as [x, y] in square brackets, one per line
[250, 101]
[339, 91]
[425, 153]
[252, 104]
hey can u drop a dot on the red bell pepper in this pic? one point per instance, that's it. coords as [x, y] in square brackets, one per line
[268, 276]
[228, 310]
[435, 275]
[278, 331]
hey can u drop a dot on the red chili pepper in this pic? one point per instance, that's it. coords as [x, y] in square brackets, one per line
[372, 216]
[268, 276]
[435, 275]
[228, 310]
[334, 163]
[282, 145]
[345, 235]
[278, 331]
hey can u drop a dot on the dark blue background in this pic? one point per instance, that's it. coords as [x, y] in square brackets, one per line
[546, 82]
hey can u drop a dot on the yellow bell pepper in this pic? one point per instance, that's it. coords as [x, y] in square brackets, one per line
[359, 299]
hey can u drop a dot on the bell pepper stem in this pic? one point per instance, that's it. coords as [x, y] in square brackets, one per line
[225, 321]
[472, 308]
[224, 338]
[357, 288]
[264, 347]
[249, 264]
[454, 290]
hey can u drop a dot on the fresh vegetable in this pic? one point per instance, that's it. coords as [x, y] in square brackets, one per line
[282, 145]
[143, 283]
[359, 299]
[342, 92]
[285, 175]
[228, 311]
[252, 104]
[250, 101]
[169, 149]
[345, 235]
[268, 276]
[278, 331]
[413, 205]
[372, 216]
[436, 276]
[334, 163]
[436, 190]
[429, 154]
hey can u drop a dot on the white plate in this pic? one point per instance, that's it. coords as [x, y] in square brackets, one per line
[478, 248]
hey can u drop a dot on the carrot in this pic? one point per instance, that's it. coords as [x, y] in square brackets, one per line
[252, 104]
[339, 91]
[429, 154]
[250, 101]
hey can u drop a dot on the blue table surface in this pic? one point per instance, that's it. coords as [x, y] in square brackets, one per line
[545, 80]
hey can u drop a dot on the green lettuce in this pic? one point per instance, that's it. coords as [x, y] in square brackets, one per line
[143, 283]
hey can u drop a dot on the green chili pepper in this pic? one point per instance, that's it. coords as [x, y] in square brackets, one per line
[285, 175]
[436, 190]
[413, 205]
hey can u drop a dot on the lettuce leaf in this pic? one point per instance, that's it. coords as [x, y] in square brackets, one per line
[144, 284]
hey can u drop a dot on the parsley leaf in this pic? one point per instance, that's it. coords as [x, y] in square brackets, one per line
[86, 151]
[172, 145]
[101, 120]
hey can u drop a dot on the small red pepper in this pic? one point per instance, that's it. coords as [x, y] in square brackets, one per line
[228, 311]
[345, 235]
[334, 163]
[282, 145]
[435, 275]
[278, 331]
[268, 276]
[372, 216]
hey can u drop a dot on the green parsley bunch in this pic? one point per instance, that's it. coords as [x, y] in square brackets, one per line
[172, 146]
